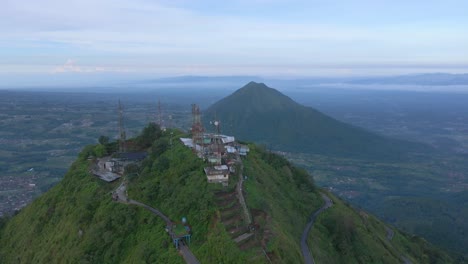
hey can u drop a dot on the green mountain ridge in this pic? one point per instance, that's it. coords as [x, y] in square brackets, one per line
[264, 115]
[78, 222]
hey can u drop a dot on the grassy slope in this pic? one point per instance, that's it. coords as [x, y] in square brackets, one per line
[171, 179]
[47, 231]
[271, 189]
[440, 221]
[286, 195]
[410, 195]
[345, 235]
[174, 182]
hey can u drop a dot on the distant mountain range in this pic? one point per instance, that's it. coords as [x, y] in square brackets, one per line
[419, 79]
[264, 115]
[435, 79]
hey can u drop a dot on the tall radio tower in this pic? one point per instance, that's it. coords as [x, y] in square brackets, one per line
[197, 127]
[160, 120]
[123, 136]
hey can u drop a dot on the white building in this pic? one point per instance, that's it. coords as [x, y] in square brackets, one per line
[217, 174]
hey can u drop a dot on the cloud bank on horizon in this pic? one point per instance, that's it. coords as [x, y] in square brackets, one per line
[255, 37]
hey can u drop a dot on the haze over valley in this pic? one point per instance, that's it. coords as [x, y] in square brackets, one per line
[64, 122]
[233, 132]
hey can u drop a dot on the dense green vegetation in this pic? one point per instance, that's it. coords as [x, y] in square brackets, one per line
[422, 197]
[441, 221]
[286, 195]
[77, 221]
[345, 235]
[264, 115]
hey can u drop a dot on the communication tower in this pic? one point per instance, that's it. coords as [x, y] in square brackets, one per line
[160, 119]
[217, 140]
[122, 133]
[197, 127]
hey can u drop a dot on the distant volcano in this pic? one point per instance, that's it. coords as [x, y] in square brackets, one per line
[261, 114]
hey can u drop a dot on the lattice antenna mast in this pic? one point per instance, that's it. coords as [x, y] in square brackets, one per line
[160, 120]
[218, 140]
[122, 134]
[197, 127]
[217, 124]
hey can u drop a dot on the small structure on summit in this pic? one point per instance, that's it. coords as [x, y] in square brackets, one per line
[111, 168]
[105, 169]
[217, 174]
[220, 151]
[243, 150]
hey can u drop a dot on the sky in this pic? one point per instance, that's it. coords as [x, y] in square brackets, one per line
[90, 39]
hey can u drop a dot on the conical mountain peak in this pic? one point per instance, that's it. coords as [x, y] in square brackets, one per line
[264, 115]
[258, 96]
[255, 85]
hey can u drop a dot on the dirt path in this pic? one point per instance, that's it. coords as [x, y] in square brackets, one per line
[242, 237]
[308, 258]
[248, 218]
[121, 196]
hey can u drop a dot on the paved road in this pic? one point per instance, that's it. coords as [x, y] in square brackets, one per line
[153, 210]
[308, 259]
[187, 255]
[183, 249]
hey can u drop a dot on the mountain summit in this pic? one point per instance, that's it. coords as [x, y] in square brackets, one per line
[83, 219]
[264, 115]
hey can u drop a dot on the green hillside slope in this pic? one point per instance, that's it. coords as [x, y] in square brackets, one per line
[263, 115]
[78, 222]
[346, 235]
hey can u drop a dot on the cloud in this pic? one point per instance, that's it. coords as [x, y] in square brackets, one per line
[70, 66]
[145, 35]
